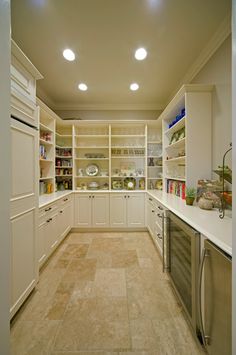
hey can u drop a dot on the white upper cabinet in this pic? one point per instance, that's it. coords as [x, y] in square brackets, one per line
[23, 86]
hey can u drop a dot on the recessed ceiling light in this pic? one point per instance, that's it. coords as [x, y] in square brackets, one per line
[68, 54]
[134, 87]
[83, 87]
[140, 53]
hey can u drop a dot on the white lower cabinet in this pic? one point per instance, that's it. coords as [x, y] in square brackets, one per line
[92, 210]
[55, 221]
[127, 210]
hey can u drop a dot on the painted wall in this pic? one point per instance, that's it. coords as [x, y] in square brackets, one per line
[5, 159]
[218, 71]
[110, 114]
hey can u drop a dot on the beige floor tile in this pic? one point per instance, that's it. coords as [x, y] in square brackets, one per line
[80, 270]
[106, 245]
[83, 289]
[100, 335]
[33, 338]
[75, 251]
[123, 259]
[143, 336]
[146, 262]
[110, 283]
[79, 238]
[85, 353]
[60, 301]
[104, 259]
[61, 264]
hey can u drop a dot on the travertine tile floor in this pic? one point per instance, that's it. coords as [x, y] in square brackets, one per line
[103, 293]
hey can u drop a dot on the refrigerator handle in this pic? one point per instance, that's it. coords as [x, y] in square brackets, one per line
[164, 243]
[205, 338]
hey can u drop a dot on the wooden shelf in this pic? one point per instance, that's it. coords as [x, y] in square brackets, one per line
[156, 178]
[175, 178]
[46, 178]
[127, 147]
[91, 158]
[92, 136]
[64, 157]
[124, 177]
[43, 127]
[45, 142]
[154, 142]
[64, 135]
[175, 159]
[63, 167]
[128, 135]
[66, 175]
[180, 124]
[154, 156]
[178, 144]
[128, 157]
[155, 166]
[61, 147]
[92, 147]
[92, 177]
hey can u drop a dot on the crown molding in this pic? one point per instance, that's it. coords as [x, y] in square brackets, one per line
[107, 107]
[222, 33]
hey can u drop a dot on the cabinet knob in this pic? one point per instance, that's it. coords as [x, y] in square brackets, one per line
[128, 196]
[89, 196]
[93, 196]
[153, 211]
[159, 215]
[150, 199]
[61, 211]
[125, 196]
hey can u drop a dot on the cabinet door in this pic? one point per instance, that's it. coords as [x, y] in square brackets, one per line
[64, 220]
[83, 212]
[118, 210]
[135, 210]
[150, 218]
[42, 247]
[100, 212]
[52, 233]
[23, 258]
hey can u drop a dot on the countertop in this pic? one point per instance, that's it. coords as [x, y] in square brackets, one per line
[44, 200]
[208, 223]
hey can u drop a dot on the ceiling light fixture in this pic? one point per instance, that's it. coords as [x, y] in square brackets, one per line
[140, 54]
[83, 87]
[68, 54]
[134, 86]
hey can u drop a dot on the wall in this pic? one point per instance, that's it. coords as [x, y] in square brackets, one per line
[5, 160]
[110, 114]
[217, 71]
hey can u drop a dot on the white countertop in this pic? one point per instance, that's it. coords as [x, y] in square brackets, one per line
[44, 200]
[208, 223]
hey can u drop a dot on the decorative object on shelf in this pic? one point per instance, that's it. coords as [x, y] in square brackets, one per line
[177, 136]
[176, 187]
[92, 170]
[94, 156]
[225, 172]
[93, 185]
[177, 118]
[158, 185]
[190, 195]
[150, 161]
[129, 183]
[104, 186]
[142, 184]
[127, 168]
[117, 185]
[205, 203]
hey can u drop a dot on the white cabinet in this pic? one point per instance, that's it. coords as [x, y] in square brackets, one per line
[92, 210]
[127, 210]
[24, 212]
[118, 210]
[55, 222]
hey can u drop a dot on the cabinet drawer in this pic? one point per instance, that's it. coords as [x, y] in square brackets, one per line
[65, 200]
[46, 211]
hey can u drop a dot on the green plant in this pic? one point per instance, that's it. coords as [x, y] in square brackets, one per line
[191, 192]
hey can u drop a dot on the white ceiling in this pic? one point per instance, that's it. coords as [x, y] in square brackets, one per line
[104, 35]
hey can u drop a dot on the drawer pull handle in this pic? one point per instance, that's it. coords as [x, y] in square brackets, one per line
[159, 215]
[49, 220]
[160, 208]
[65, 199]
[159, 236]
[48, 209]
[150, 199]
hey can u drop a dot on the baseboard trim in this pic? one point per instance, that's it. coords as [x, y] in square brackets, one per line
[97, 230]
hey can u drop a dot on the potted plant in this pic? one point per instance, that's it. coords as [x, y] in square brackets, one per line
[190, 195]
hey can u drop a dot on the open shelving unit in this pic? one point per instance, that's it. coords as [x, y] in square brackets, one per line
[154, 156]
[46, 148]
[187, 142]
[64, 158]
[91, 148]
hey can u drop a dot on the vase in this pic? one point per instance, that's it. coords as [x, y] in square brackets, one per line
[190, 200]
